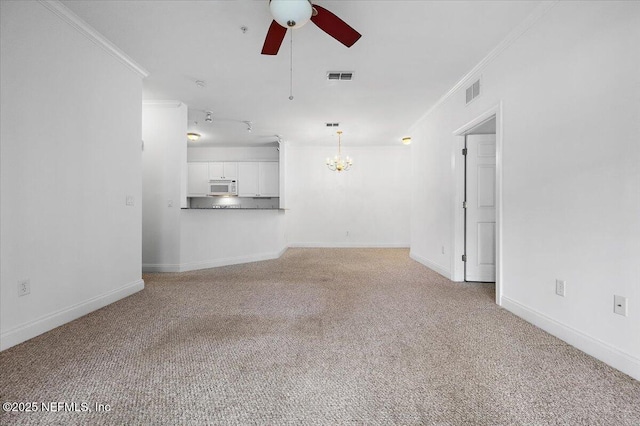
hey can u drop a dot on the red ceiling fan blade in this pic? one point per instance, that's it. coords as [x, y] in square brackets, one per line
[275, 35]
[335, 27]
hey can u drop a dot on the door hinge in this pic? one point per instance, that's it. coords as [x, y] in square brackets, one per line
[464, 257]
[464, 204]
[464, 151]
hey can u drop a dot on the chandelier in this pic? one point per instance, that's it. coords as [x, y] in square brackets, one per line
[338, 164]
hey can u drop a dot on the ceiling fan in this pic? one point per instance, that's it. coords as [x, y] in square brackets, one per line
[294, 14]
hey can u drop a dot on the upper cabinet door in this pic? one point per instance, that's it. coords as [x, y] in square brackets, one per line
[269, 179]
[216, 170]
[220, 170]
[197, 179]
[230, 170]
[248, 179]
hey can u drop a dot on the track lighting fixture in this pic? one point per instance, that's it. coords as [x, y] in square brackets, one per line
[209, 118]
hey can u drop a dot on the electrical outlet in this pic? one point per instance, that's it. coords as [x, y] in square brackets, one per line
[620, 305]
[24, 287]
[170, 203]
[130, 200]
[561, 287]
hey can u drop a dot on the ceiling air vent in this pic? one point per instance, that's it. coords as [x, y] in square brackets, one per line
[332, 124]
[340, 75]
[473, 91]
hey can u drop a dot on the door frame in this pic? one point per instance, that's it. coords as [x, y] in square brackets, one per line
[458, 170]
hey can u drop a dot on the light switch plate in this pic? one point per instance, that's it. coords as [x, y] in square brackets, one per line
[24, 287]
[620, 305]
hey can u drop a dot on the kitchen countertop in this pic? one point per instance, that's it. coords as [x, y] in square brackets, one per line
[230, 208]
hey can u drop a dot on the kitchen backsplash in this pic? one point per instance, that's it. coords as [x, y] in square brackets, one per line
[233, 203]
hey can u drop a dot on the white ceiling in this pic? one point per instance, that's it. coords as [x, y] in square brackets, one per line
[410, 54]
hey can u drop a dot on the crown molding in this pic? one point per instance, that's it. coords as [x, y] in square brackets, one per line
[514, 35]
[75, 22]
[162, 104]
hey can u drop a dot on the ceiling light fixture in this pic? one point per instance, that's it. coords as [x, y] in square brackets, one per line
[291, 14]
[192, 136]
[406, 140]
[337, 164]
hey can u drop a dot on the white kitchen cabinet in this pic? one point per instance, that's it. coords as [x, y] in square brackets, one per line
[223, 170]
[197, 179]
[269, 179]
[248, 178]
[258, 179]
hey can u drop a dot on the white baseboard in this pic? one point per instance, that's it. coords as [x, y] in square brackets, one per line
[48, 322]
[214, 263]
[445, 272]
[594, 347]
[226, 261]
[348, 245]
[160, 267]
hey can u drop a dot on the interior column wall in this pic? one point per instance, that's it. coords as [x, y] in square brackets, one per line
[164, 130]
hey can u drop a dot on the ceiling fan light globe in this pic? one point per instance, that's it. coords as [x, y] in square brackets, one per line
[291, 13]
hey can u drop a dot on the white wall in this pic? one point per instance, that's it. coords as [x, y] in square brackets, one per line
[211, 238]
[70, 148]
[570, 93]
[232, 153]
[371, 201]
[164, 130]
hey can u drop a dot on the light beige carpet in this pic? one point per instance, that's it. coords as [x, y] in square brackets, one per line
[320, 336]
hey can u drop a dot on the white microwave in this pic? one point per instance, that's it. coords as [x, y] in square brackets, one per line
[223, 187]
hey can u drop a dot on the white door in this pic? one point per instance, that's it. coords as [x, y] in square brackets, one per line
[480, 247]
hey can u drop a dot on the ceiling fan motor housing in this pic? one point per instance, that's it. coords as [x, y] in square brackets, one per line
[291, 13]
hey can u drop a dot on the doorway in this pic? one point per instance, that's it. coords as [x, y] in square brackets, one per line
[476, 234]
[480, 206]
